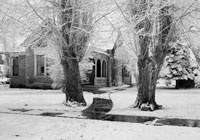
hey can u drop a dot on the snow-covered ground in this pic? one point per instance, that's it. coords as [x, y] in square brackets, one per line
[19, 125]
[182, 103]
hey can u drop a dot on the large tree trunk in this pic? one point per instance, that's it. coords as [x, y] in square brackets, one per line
[72, 84]
[146, 86]
[153, 51]
[72, 81]
[148, 69]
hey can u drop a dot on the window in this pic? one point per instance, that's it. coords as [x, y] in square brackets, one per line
[104, 69]
[40, 64]
[125, 72]
[98, 68]
[15, 66]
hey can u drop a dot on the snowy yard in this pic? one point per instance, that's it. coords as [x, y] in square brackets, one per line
[20, 127]
[27, 124]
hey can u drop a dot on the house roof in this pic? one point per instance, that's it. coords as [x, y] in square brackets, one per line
[104, 34]
[101, 51]
[13, 53]
[38, 34]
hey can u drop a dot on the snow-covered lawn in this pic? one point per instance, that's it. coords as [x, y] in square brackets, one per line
[18, 125]
[182, 103]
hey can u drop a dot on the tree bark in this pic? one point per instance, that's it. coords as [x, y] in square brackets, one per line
[147, 86]
[151, 57]
[72, 84]
[72, 81]
[148, 70]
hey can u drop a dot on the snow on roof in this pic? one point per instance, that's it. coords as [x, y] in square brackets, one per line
[37, 34]
[101, 51]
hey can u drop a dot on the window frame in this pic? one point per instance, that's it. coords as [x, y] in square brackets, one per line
[104, 69]
[39, 71]
[98, 68]
[40, 51]
[15, 66]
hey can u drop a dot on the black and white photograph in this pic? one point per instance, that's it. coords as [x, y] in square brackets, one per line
[99, 69]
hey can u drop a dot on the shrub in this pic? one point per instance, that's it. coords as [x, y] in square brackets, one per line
[40, 86]
[56, 74]
[179, 64]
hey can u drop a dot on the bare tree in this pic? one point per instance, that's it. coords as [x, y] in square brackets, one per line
[76, 25]
[70, 25]
[155, 26]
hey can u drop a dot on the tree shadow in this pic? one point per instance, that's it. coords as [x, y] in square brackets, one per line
[98, 108]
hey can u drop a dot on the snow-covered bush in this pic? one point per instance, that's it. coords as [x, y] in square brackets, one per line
[86, 69]
[56, 74]
[180, 63]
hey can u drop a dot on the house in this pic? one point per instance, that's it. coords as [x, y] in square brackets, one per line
[30, 68]
[104, 71]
